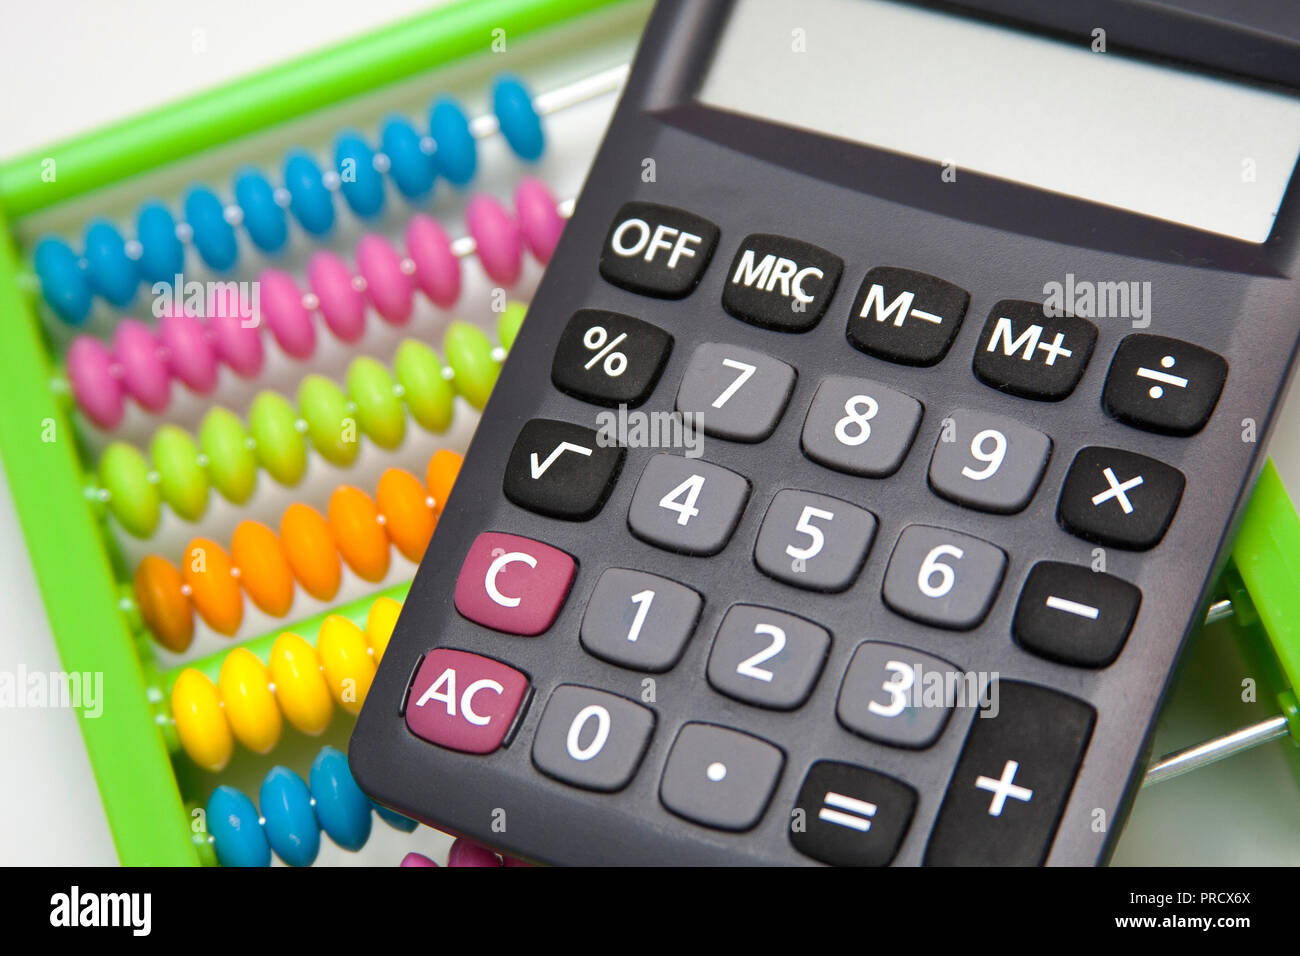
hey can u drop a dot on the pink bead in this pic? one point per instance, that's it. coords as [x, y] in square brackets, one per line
[285, 315]
[390, 289]
[238, 345]
[539, 220]
[496, 232]
[465, 853]
[190, 356]
[437, 269]
[90, 375]
[343, 307]
[144, 373]
[417, 859]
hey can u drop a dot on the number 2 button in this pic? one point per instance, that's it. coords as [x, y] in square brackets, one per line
[943, 577]
[813, 541]
[768, 658]
[735, 393]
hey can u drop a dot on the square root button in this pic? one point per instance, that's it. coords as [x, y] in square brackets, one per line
[464, 701]
[513, 584]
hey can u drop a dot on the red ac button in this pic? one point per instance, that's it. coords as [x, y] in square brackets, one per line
[463, 701]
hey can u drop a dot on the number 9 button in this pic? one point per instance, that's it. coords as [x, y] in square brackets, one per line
[860, 427]
[988, 462]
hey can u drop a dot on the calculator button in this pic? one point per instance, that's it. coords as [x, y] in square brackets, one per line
[1119, 498]
[608, 358]
[1017, 768]
[905, 316]
[813, 541]
[657, 250]
[735, 393]
[860, 427]
[591, 739]
[780, 283]
[513, 584]
[884, 696]
[847, 815]
[1074, 615]
[988, 462]
[1027, 353]
[766, 657]
[560, 470]
[719, 777]
[687, 505]
[464, 701]
[1163, 385]
[639, 620]
[943, 577]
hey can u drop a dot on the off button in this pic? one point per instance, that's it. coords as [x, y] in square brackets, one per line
[657, 250]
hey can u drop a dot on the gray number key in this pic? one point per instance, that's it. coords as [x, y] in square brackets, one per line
[942, 577]
[590, 738]
[813, 541]
[639, 620]
[736, 393]
[687, 505]
[992, 463]
[767, 657]
[885, 695]
[860, 427]
[720, 777]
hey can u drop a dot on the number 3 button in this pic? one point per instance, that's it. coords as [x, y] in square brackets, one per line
[884, 695]
[813, 541]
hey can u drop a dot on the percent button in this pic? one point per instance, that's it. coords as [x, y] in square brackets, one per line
[608, 358]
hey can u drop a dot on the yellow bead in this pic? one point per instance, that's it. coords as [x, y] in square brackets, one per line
[379, 624]
[251, 711]
[346, 662]
[300, 687]
[200, 724]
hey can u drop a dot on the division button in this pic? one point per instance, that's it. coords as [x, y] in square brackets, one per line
[1163, 385]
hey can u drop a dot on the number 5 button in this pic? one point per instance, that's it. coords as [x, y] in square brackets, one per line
[813, 541]
[943, 577]
[736, 393]
[988, 461]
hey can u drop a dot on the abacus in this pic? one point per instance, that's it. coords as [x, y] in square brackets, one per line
[243, 355]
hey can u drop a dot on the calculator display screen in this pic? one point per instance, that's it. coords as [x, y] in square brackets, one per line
[1186, 147]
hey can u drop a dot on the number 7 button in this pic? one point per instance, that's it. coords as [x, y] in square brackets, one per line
[736, 393]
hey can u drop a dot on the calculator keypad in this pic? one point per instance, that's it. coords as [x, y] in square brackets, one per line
[989, 462]
[847, 815]
[720, 777]
[687, 505]
[590, 738]
[639, 620]
[943, 578]
[813, 541]
[560, 470]
[1119, 498]
[1027, 353]
[767, 658]
[904, 316]
[657, 250]
[860, 427]
[1163, 385]
[780, 283]
[735, 393]
[882, 697]
[608, 358]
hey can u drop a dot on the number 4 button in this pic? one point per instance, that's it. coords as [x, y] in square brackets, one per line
[687, 505]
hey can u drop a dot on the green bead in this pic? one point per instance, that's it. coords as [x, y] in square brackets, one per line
[133, 499]
[379, 411]
[280, 448]
[429, 396]
[182, 481]
[508, 324]
[469, 353]
[332, 431]
[231, 463]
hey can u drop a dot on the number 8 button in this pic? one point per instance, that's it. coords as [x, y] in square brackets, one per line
[860, 427]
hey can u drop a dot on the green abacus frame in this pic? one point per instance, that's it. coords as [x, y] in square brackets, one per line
[92, 615]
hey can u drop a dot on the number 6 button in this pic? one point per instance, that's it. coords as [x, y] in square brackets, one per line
[813, 541]
[943, 577]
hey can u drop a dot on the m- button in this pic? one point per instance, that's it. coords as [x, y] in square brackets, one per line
[513, 584]
[657, 250]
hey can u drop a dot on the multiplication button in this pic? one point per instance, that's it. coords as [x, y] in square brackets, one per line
[1163, 385]
[1119, 498]
[657, 250]
[608, 358]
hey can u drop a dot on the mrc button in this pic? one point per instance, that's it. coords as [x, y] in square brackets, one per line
[657, 250]
[780, 283]
[464, 701]
[905, 316]
[1026, 352]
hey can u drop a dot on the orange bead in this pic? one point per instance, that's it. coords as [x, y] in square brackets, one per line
[213, 589]
[360, 537]
[309, 546]
[443, 468]
[408, 518]
[264, 571]
[166, 610]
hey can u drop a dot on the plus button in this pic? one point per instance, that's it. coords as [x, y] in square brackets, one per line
[1003, 788]
[1055, 349]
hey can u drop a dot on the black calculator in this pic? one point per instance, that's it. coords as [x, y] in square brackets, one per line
[871, 444]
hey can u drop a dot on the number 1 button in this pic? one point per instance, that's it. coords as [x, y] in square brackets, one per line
[639, 620]
[735, 393]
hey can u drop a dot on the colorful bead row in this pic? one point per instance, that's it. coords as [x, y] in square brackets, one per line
[112, 267]
[464, 853]
[310, 550]
[250, 700]
[293, 814]
[141, 364]
[227, 455]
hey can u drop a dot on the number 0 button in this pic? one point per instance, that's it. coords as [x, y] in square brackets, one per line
[813, 541]
[768, 658]
[591, 739]
[943, 577]
[735, 393]
[687, 505]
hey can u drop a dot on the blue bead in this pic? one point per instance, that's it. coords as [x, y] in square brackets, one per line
[394, 819]
[162, 255]
[409, 166]
[62, 283]
[112, 273]
[520, 124]
[342, 809]
[264, 221]
[312, 205]
[457, 154]
[291, 825]
[214, 238]
[361, 183]
[236, 833]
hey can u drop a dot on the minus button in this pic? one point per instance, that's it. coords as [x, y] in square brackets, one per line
[1072, 607]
